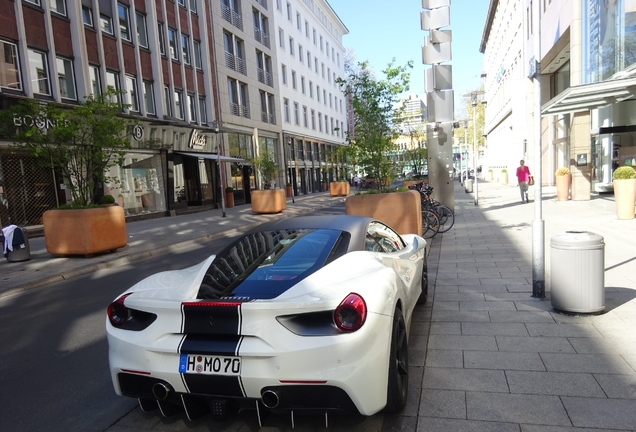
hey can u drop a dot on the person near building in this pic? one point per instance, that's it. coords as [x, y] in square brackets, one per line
[523, 177]
[356, 180]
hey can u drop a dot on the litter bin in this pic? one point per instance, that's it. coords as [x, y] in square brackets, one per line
[577, 266]
[469, 185]
[20, 238]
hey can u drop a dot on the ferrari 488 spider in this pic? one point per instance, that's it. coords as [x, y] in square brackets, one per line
[305, 313]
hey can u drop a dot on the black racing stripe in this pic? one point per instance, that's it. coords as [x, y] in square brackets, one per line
[214, 385]
[213, 320]
[211, 345]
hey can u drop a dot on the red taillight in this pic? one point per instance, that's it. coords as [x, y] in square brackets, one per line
[118, 313]
[351, 314]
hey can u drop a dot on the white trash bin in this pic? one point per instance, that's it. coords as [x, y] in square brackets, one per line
[577, 269]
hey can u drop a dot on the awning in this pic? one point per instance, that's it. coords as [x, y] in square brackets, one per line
[212, 156]
[590, 96]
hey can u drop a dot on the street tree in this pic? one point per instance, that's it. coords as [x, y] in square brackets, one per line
[376, 111]
[81, 142]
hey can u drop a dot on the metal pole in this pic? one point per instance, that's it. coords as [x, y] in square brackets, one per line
[475, 148]
[538, 227]
[466, 156]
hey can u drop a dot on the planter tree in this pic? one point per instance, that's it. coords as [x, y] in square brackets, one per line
[80, 142]
[375, 110]
[267, 200]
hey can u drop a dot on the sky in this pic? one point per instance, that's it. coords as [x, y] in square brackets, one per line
[380, 30]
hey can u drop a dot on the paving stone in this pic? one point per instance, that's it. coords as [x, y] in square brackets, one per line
[443, 403]
[430, 424]
[617, 386]
[494, 329]
[534, 344]
[529, 304]
[463, 316]
[587, 345]
[536, 428]
[445, 358]
[591, 363]
[554, 383]
[486, 305]
[446, 305]
[448, 328]
[465, 379]
[516, 408]
[504, 281]
[461, 296]
[521, 316]
[483, 288]
[503, 360]
[506, 296]
[601, 413]
[480, 343]
[562, 330]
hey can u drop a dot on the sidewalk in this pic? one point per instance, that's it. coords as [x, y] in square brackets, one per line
[146, 238]
[498, 359]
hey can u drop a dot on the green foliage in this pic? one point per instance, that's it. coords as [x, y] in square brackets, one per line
[80, 142]
[229, 189]
[624, 173]
[563, 171]
[375, 109]
[504, 170]
[107, 199]
[267, 166]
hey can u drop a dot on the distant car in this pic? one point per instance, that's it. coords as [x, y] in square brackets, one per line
[305, 313]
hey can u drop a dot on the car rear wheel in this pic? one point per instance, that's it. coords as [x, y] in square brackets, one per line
[398, 385]
[424, 295]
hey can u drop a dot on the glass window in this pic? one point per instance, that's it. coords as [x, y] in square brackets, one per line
[39, 72]
[87, 16]
[96, 86]
[185, 48]
[112, 82]
[65, 78]
[192, 108]
[172, 41]
[289, 11]
[294, 80]
[381, 238]
[182, 3]
[305, 123]
[286, 109]
[162, 42]
[193, 6]
[58, 6]
[197, 54]
[178, 104]
[296, 114]
[106, 23]
[291, 45]
[124, 23]
[149, 98]
[168, 100]
[283, 73]
[281, 38]
[9, 65]
[35, 2]
[131, 88]
[203, 111]
[142, 35]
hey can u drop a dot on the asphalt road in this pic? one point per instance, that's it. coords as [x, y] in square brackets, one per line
[54, 358]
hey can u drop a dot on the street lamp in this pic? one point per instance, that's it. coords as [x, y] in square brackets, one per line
[474, 97]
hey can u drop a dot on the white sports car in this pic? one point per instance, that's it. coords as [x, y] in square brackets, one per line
[305, 313]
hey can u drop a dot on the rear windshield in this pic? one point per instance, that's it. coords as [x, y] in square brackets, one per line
[265, 264]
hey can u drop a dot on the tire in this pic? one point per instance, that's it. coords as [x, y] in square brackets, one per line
[398, 385]
[430, 224]
[424, 295]
[446, 218]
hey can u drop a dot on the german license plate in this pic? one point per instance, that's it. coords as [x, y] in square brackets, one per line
[210, 364]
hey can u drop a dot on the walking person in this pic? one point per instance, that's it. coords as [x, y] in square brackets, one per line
[523, 177]
[356, 180]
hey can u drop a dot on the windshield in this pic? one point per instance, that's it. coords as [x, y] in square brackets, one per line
[265, 264]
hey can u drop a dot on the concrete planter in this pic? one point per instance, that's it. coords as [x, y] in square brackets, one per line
[289, 191]
[503, 178]
[399, 210]
[268, 201]
[229, 199]
[563, 187]
[339, 188]
[489, 176]
[84, 231]
[625, 198]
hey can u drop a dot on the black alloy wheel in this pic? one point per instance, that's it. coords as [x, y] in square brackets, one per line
[398, 385]
[424, 295]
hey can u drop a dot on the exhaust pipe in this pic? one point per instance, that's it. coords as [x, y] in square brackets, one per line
[160, 391]
[270, 398]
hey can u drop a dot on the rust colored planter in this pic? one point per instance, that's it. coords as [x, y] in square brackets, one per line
[624, 197]
[563, 187]
[268, 201]
[290, 191]
[324, 187]
[408, 183]
[339, 188]
[399, 210]
[229, 199]
[84, 231]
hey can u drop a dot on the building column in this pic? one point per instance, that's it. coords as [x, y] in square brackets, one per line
[580, 143]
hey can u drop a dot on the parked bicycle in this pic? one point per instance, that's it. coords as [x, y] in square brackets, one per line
[367, 184]
[446, 216]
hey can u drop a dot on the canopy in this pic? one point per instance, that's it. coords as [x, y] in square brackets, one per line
[590, 96]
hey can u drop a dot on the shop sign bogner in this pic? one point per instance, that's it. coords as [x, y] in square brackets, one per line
[39, 122]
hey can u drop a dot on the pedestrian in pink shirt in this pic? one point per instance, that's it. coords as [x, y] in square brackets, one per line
[523, 177]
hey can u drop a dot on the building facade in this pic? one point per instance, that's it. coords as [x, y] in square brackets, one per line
[311, 58]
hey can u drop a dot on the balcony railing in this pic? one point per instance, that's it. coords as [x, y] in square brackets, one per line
[262, 3]
[231, 16]
[235, 63]
[239, 110]
[265, 77]
[268, 117]
[261, 36]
